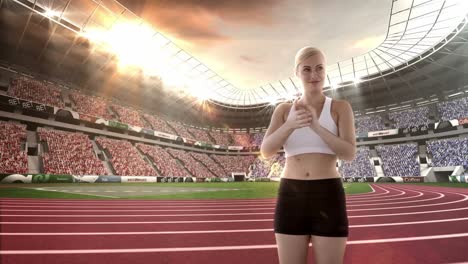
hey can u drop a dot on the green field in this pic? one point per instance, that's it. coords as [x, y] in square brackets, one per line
[232, 190]
[245, 190]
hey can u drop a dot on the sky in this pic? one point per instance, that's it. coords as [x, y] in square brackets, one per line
[253, 43]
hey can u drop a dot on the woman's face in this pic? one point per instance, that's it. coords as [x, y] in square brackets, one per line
[312, 72]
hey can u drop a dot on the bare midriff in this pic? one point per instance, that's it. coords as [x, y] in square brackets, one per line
[310, 166]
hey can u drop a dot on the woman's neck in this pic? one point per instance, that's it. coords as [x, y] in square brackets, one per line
[313, 99]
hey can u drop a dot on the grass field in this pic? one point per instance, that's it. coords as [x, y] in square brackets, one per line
[233, 190]
[244, 190]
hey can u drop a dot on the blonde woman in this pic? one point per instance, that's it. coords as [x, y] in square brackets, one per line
[314, 130]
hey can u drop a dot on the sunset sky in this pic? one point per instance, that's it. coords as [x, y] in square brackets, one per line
[252, 43]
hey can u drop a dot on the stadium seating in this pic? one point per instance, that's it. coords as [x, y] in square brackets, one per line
[159, 124]
[166, 165]
[125, 159]
[261, 167]
[241, 139]
[129, 116]
[257, 139]
[12, 158]
[69, 153]
[399, 160]
[410, 118]
[453, 109]
[210, 163]
[90, 105]
[234, 163]
[36, 91]
[448, 152]
[195, 168]
[223, 139]
[200, 135]
[277, 166]
[181, 130]
[361, 166]
[368, 123]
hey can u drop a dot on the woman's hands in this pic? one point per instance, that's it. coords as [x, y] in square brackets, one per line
[298, 116]
[301, 115]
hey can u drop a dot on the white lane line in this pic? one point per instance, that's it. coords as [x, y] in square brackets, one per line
[411, 213]
[80, 193]
[139, 215]
[245, 247]
[253, 200]
[143, 206]
[376, 195]
[220, 231]
[214, 221]
[137, 210]
[135, 222]
[383, 198]
[416, 206]
[142, 203]
[412, 201]
[223, 209]
[352, 216]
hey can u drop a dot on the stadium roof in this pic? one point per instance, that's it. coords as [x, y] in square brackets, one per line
[415, 27]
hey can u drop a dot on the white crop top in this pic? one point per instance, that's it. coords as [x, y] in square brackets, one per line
[305, 140]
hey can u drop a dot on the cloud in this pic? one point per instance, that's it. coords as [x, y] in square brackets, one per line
[198, 22]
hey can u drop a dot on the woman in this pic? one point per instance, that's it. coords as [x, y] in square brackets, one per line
[315, 130]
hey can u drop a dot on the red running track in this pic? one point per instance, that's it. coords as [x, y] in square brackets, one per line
[394, 224]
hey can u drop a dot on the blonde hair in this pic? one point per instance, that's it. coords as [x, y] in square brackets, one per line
[304, 54]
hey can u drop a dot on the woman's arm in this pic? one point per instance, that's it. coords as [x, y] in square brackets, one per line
[276, 134]
[343, 145]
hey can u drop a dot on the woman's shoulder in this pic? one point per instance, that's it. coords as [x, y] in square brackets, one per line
[338, 104]
[283, 109]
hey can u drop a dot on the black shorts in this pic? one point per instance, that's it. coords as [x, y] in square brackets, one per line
[311, 207]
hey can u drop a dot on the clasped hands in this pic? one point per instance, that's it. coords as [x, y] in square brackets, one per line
[302, 115]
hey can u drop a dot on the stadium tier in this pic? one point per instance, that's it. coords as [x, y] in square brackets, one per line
[399, 160]
[36, 91]
[410, 118]
[125, 158]
[163, 161]
[361, 166]
[72, 153]
[453, 109]
[69, 153]
[448, 152]
[195, 168]
[90, 105]
[13, 157]
[129, 116]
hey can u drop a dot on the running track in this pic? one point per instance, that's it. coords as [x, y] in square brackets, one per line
[393, 224]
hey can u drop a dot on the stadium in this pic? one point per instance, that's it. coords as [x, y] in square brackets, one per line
[119, 143]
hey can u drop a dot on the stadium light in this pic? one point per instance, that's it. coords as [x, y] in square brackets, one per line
[51, 13]
[273, 100]
[199, 88]
[133, 44]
